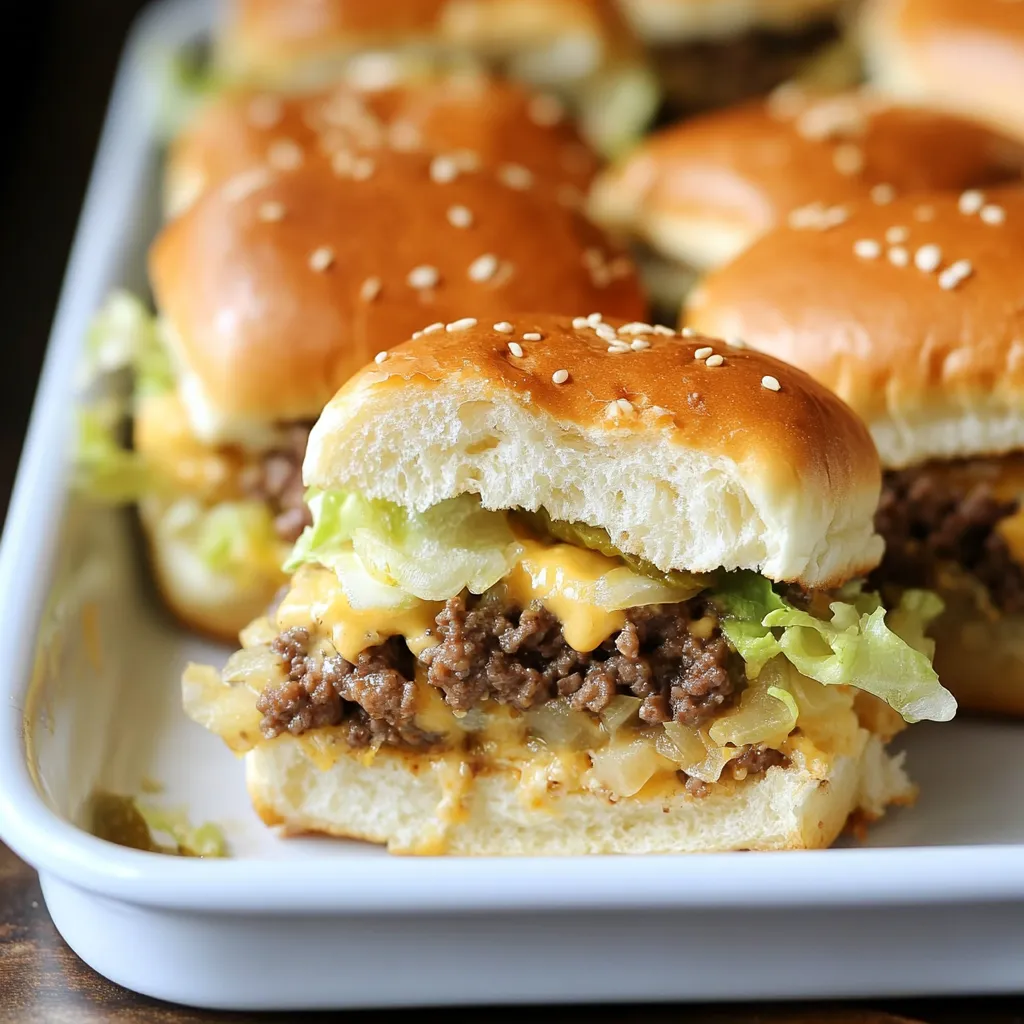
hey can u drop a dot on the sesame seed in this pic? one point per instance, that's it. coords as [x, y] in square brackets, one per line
[771, 383]
[955, 274]
[883, 194]
[560, 376]
[594, 319]
[381, 356]
[897, 235]
[928, 258]
[443, 169]
[848, 159]
[320, 259]
[516, 349]
[433, 328]
[606, 332]
[243, 185]
[688, 332]
[992, 214]
[617, 350]
[483, 268]
[639, 344]
[423, 277]
[363, 168]
[271, 211]
[504, 327]
[460, 217]
[515, 176]
[736, 343]
[417, 334]
[533, 336]
[664, 331]
[461, 325]
[867, 249]
[636, 328]
[703, 353]
[546, 110]
[898, 256]
[580, 322]
[370, 289]
[714, 361]
[971, 202]
[284, 155]
[264, 111]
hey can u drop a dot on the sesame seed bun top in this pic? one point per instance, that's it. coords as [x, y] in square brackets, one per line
[960, 55]
[671, 21]
[690, 453]
[703, 190]
[276, 286]
[911, 312]
[467, 112]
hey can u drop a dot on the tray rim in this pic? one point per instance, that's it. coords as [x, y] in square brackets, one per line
[370, 884]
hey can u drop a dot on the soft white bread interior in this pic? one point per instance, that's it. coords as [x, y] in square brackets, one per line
[690, 454]
[804, 806]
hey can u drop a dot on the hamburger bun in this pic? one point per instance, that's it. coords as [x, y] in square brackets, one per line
[401, 802]
[584, 49]
[931, 360]
[497, 120]
[700, 192]
[740, 462]
[956, 55]
[277, 286]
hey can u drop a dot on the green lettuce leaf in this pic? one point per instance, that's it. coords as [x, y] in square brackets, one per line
[453, 546]
[856, 648]
[104, 469]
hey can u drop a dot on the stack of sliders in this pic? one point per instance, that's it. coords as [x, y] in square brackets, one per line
[579, 586]
[695, 195]
[713, 53]
[279, 281]
[965, 56]
[917, 322]
[581, 49]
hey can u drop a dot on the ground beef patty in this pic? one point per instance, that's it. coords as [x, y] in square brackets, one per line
[489, 650]
[925, 519]
[277, 479]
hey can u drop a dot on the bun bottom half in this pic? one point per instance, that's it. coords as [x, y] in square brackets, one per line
[409, 807]
[216, 605]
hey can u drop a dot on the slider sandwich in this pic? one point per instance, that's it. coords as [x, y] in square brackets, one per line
[713, 53]
[695, 195]
[956, 55]
[275, 287]
[912, 313]
[579, 586]
[474, 117]
[581, 49]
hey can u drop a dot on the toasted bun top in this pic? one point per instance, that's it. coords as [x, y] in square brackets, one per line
[276, 286]
[962, 55]
[691, 465]
[289, 40]
[703, 190]
[464, 112]
[667, 21]
[931, 356]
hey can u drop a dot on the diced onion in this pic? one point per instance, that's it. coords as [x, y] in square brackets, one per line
[228, 710]
[254, 667]
[620, 711]
[695, 752]
[761, 716]
[624, 769]
[558, 725]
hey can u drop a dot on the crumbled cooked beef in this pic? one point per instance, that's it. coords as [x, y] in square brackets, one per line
[700, 75]
[489, 650]
[755, 759]
[374, 698]
[926, 520]
[277, 478]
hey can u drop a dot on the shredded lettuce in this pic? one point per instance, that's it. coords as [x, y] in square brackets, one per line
[124, 335]
[856, 648]
[451, 547]
[104, 469]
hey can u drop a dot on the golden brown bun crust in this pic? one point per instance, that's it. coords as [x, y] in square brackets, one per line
[498, 120]
[964, 55]
[715, 448]
[269, 40]
[271, 337]
[743, 170]
[936, 373]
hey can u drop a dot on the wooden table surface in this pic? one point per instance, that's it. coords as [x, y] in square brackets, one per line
[56, 73]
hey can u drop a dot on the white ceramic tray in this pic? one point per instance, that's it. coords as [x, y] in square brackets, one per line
[934, 903]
